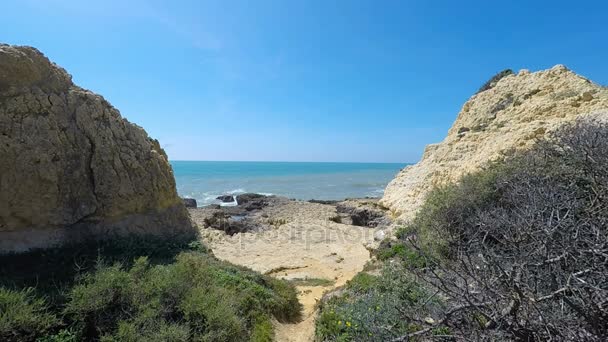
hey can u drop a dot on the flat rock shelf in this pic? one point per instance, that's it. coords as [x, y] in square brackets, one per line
[299, 241]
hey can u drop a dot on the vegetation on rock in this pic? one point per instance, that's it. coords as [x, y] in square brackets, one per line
[516, 112]
[492, 81]
[517, 251]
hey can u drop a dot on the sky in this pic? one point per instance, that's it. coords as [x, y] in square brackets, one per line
[295, 80]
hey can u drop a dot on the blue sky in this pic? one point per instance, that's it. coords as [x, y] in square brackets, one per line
[293, 80]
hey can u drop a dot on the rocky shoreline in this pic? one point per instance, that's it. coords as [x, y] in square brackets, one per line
[318, 246]
[256, 212]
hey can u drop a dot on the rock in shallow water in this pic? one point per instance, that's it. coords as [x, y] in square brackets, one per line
[248, 197]
[225, 198]
[72, 168]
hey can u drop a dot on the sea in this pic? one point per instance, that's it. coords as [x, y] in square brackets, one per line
[206, 180]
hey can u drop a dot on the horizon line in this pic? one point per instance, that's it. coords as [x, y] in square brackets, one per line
[286, 161]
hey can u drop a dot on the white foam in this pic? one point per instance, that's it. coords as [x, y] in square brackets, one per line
[236, 191]
[229, 204]
[376, 193]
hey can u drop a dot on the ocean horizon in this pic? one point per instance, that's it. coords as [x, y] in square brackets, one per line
[206, 180]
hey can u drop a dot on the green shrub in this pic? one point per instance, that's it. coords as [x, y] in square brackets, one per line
[521, 239]
[369, 307]
[196, 296]
[448, 206]
[514, 252]
[390, 249]
[23, 315]
[63, 335]
[311, 282]
[179, 293]
[492, 81]
[262, 330]
[277, 222]
[362, 282]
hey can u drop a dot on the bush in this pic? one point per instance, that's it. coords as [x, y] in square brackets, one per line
[197, 297]
[389, 249]
[526, 243]
[492, 81]
[515, 252]
[23, 315]
[447, 208]
[369, 307]
[187, 296]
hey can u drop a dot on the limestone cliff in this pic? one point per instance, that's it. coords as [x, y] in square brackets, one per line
[511, 114]
[70, 166]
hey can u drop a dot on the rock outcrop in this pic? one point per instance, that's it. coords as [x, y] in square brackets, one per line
[71, 167]
[512, 113]
[363, 212]
[189, 202]
[225, 198]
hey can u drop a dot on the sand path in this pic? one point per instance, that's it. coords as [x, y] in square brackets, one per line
[307, 246]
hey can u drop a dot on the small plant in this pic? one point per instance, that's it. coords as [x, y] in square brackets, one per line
[262, 330]
[277, 222]
[491, 83]
[64, 335]
[411, 257]
[312, 282]
[362, 282]
[369, 308]
[336, 219]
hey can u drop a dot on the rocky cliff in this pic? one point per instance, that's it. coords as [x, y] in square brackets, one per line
[511, 112]
[71, 167]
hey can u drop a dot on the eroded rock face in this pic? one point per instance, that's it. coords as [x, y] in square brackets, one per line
[363, 212]
[70, 166]
[511, 114]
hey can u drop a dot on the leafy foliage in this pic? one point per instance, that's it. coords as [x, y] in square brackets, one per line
[187, 296]
[369, 307]
[23, 315]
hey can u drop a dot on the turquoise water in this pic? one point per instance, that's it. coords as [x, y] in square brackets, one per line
[205, 180]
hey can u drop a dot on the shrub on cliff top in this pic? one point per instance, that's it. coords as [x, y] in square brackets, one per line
[492, 81]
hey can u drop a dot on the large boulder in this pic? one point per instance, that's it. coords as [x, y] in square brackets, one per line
[511, 112]
[71, 167]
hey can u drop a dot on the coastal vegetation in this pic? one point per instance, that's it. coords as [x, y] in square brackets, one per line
[137, 290]
[517, 251]
[311, 282]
